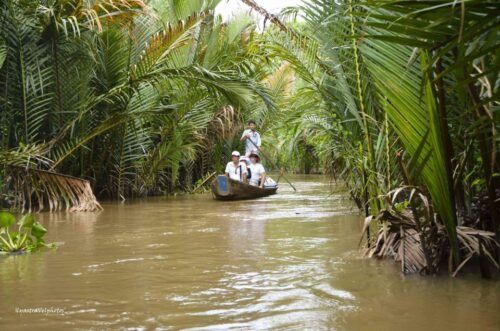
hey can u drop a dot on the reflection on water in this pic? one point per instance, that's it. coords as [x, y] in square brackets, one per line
[288, 261]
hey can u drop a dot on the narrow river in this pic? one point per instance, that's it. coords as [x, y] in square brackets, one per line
[288, 262]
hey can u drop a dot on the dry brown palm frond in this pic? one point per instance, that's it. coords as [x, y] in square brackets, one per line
[282, 79]
[410, 252]
[405, 224]
[398, 238]
[478, 243]
[410, 235]
[222, 125]
[109, 10]
[37, 190]
[71, 16]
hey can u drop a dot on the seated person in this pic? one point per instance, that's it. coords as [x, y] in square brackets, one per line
[246, 160]
[235, 169]
[257, 170]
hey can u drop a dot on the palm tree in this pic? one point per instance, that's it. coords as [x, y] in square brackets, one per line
[407, 82]
[123, 97]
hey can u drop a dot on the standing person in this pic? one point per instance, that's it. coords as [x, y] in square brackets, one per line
[257, 170]
[235, 169]
[251, 135]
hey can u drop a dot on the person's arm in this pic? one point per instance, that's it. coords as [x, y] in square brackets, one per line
[245, 135]
[259, 141]
[226, 172]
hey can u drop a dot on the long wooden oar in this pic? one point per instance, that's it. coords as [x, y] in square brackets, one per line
[273, 164]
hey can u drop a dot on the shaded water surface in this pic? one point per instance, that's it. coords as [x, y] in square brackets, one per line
[287, 262]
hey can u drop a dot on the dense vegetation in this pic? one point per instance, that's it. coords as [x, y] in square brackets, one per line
[406, 100]
[398, 99]
[124, 94]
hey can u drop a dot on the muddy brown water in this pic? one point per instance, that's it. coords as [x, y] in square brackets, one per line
[286, 262]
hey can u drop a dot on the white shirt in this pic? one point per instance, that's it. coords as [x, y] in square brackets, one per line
[236, 171]
[256, 170]
[249, 147]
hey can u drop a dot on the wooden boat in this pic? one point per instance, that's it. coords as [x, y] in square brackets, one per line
[225, 188]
